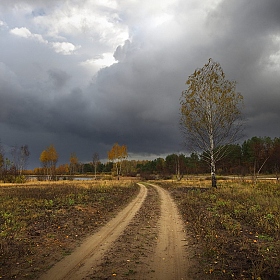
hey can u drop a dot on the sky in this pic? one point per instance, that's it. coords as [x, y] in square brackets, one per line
[83, 75]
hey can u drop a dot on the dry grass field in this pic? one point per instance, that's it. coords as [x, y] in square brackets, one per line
[235, 228]
[43, 221]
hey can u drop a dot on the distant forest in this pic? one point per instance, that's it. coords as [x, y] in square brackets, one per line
[258, 155]
[255, 156]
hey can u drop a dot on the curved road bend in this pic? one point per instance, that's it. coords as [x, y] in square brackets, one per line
[79, 264]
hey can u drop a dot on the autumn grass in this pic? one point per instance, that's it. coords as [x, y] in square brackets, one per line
[42, 222]
[236, 227]
[84, 183]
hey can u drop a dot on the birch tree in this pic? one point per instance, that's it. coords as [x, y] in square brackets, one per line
[49, 158]
[73, 163]
[24, 155]
[45, 162]
[117, 154]
[53, 158]
[95, 162]
[257, 152]
[211, 113]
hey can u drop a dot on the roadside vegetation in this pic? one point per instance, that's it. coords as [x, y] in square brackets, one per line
[235, 228]
[255, 157]
[41, 223]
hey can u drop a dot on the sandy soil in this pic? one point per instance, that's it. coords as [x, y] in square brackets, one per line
[144, 241]
[170, 259]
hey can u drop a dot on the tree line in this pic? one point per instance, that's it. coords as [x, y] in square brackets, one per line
[13, 165]
[255, 156]
[49, 159]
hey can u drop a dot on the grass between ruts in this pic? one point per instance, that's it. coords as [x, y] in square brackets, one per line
[236, 227]
[41, 223]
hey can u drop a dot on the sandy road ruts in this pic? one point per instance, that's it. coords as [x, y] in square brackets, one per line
[89, 254]
[170, 260]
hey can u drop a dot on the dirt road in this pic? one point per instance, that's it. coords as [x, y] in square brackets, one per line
[170, 261]
[144, 241]
[80, 262]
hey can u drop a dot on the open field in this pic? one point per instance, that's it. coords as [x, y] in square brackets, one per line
[146, 240]
[233, 232]
[42, 222]
[235, 228]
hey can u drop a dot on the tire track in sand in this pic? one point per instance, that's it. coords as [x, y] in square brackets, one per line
[80, 263]
[170, 260]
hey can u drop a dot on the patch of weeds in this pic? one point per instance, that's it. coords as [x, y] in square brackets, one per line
[130, 272]
[49, 203]
[66, 252]
[71, 201]
[265, 237]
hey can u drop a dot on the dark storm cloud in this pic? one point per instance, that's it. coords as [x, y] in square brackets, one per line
[247, 40]
[58, 78]
[57, 87]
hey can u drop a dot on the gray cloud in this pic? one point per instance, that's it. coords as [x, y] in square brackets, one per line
[58, 78]
[83, 103]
